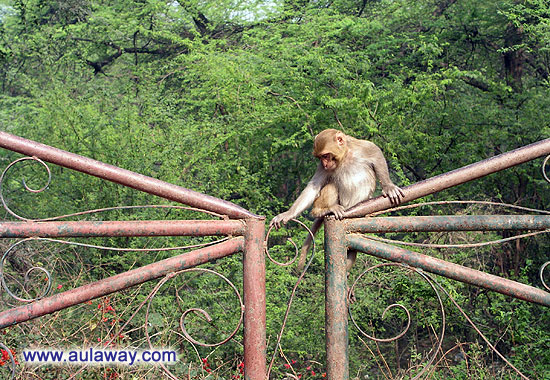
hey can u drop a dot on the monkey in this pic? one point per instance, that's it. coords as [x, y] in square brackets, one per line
[346, 175]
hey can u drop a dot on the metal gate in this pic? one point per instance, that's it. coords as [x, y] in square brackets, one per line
[245, 232]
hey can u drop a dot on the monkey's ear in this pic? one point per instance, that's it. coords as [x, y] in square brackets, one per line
[339, 138]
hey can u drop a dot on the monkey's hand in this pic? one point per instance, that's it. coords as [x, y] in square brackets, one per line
[393, 193]
[282, 218]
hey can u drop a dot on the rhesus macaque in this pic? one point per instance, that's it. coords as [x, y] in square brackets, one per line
[346, 175]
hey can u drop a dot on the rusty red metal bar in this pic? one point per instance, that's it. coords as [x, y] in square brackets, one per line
[449, 270]
[339, 236]
[456, 177]
[252, 228]
[336, 316]
[119, 282]
[255, 301]
[122, 176]
[122, 228]
[448, 223]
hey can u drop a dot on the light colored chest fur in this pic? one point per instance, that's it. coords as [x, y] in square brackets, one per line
[356, 182]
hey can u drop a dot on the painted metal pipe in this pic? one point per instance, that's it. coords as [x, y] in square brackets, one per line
[254, 301]
[456, 177]
[449, 270]
[56, 229]
[119, 282]
[448, 223]
[122, 176]
[336, 313]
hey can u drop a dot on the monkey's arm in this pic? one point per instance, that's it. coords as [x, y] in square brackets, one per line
[389, 189]
[304, 200]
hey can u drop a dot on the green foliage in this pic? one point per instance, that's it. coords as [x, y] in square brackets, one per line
[224, 98]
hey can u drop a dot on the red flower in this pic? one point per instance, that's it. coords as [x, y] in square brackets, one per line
[287, 365]
[6, 357]
[59, 286]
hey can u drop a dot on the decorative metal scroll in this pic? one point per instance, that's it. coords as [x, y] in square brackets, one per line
[26, 283]
[36, 281]
[430, 361]
[278, 347]
[435, 350]
[542, 268]
[30, 160]
[201, 312]
[38, 269]
[36, 191]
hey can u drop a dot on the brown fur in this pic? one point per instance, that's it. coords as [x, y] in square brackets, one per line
[345, 176]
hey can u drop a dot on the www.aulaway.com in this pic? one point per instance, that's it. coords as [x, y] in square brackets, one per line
[99, 356]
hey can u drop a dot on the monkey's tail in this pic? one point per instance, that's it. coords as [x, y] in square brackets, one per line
[317, 223]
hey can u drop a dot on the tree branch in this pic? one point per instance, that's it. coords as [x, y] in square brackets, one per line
[105, 61]
[483, 86]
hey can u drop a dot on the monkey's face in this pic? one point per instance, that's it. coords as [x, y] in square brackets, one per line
[330, 147]
[328, 161]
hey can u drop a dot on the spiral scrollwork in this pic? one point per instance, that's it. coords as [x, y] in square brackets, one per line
[399, 335]
[542, 269]
[288, 239]
[200, 311]
[25, 185]
[541, 273]
[298, 281]
[26, 278]
[545, 162]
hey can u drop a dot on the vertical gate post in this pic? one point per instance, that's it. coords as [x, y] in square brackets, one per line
[254, 300]
[336, 316]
